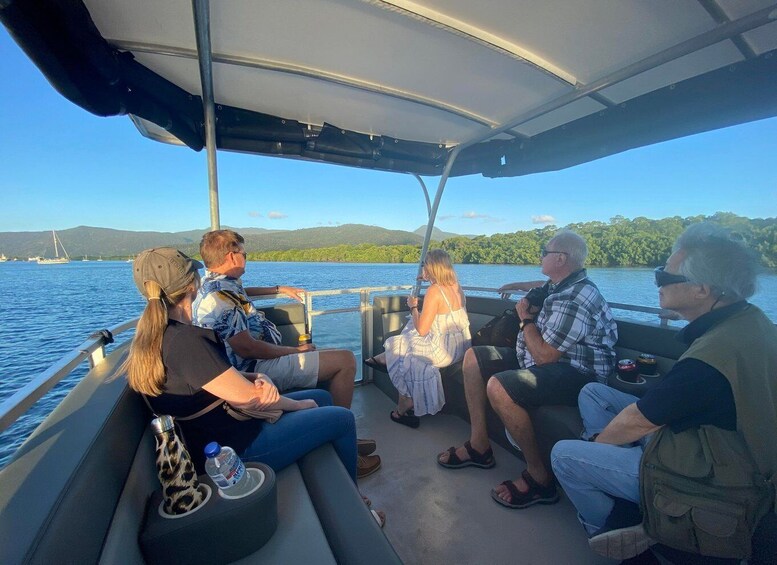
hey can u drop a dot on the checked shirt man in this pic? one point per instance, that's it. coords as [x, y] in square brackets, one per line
[564, 344]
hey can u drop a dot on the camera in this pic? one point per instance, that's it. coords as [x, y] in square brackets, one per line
[536, 297]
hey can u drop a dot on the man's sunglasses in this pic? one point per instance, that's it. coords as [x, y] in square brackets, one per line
[544, 252]
[663, 278]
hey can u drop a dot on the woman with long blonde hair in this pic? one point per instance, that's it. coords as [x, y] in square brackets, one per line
[434, 337]
[183, 369]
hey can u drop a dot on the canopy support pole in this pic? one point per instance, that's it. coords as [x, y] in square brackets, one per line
[426, 195]
[201, 10]
[433, 213]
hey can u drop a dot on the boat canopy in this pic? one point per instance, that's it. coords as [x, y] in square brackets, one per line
[519, 86]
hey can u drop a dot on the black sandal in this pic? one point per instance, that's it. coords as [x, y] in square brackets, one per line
[537, 493]
[483, 460]
[373, 364]
[408, 419]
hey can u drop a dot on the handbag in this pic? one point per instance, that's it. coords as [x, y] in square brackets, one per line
[502, 331]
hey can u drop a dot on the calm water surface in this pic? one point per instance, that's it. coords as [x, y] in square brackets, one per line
[48, 310]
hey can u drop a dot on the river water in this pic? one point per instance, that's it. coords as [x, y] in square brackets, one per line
[48, 310]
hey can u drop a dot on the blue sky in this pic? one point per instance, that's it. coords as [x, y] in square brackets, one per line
[63, 167]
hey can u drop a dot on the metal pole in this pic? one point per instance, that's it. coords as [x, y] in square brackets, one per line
[201, 10]
[433, 214]
[426, 194]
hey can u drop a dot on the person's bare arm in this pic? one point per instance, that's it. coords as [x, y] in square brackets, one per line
[259, 395]
[247, 347]
[423, 320]
[506, 289]
[628, 426]
[290, 291]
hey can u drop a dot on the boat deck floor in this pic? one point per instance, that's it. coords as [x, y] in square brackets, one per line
[438, 515]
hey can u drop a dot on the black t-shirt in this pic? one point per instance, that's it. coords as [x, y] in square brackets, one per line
[193, 357]
[692, 394]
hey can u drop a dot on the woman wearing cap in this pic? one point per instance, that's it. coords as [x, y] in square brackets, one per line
[183, 369]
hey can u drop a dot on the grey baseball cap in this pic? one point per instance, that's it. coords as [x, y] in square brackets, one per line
[166, 266]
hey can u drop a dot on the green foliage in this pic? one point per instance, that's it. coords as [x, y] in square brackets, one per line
[621, 242]
[364, 253]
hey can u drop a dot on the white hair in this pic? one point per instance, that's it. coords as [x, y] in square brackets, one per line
[573, 245]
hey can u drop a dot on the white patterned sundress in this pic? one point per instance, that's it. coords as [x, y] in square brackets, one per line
[414, 361]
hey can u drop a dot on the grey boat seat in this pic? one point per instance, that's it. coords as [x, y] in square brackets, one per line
[76, 490]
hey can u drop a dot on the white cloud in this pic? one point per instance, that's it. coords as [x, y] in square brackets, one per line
[484, 217]
[255, 214]
[446, 217]
[276, 215]
[543, 219]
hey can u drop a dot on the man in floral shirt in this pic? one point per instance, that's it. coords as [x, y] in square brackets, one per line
[254, 343]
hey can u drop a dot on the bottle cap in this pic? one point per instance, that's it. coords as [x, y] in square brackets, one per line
[212, 449]
[162, 424]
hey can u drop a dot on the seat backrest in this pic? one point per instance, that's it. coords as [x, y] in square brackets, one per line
[288, 318]
[59, 491]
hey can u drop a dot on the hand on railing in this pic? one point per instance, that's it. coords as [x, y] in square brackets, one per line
[297, 294]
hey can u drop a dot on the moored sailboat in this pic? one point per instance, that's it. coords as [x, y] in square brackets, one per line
[57, 260]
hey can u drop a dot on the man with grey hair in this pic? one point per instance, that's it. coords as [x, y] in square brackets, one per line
[567, 339]
[725, 379]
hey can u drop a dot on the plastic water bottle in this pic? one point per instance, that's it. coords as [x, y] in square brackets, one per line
[227, 470]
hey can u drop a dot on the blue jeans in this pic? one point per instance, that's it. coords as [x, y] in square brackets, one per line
[297, 433]
[593, 473]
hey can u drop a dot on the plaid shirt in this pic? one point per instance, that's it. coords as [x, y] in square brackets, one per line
[223, 306]
[576, 320]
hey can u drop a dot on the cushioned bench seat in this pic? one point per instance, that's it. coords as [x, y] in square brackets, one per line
[76, 490]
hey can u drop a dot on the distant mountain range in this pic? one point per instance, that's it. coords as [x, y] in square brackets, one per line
[109, 243]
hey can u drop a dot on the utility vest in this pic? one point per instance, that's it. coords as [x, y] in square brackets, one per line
[704, 490]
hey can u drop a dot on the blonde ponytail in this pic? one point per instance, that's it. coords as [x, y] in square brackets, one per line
[144, 367]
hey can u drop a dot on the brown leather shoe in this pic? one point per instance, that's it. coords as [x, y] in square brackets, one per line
[366, 446]
[367, 465]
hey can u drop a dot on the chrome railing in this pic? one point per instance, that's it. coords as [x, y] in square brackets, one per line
[93, 349]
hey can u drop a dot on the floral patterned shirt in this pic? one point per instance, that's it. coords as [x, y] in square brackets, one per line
[223, 306]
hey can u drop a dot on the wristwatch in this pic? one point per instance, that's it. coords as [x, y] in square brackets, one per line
[527, 321]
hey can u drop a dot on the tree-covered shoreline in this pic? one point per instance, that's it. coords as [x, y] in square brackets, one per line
[621, 242]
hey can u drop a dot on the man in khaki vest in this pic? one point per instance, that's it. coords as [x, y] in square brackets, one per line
[727, 378]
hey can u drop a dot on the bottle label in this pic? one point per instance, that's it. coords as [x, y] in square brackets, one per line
[220, 480]
[236, 473]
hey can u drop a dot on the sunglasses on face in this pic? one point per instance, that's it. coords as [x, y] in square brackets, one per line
[663, 278]
[544, 252]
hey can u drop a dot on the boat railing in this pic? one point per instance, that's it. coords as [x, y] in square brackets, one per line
[93, 349]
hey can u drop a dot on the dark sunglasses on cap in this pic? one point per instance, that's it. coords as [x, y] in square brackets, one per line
[663, 278]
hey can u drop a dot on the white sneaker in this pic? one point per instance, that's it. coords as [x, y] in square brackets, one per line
[622, 543]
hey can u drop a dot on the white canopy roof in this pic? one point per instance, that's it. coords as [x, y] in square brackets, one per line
[566, 81]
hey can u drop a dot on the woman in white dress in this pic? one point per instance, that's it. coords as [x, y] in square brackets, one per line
[434, 337]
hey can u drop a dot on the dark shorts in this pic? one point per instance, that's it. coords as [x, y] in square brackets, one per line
[555, 383]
